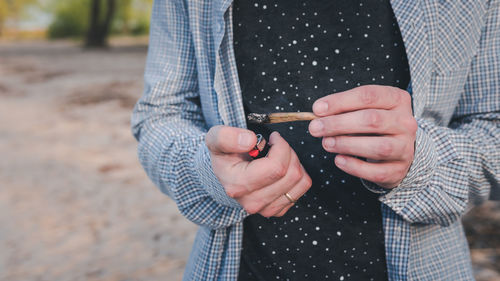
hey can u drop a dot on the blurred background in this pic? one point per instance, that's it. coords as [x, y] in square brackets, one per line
[74, 202]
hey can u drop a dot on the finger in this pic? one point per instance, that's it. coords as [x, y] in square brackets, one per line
[385, 174]
[282, 204]
[225, 139]
[250, 176]
[368, 121]
[369, 96]
[274, 166]
[372, 147]
[260, 198]
[284, 211]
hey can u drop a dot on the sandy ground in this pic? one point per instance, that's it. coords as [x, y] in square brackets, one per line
[74, 202]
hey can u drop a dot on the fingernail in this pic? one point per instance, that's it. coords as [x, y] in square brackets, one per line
[330, 142]
[245, 140]
[320, 107]
[316, 126]
[340, 161]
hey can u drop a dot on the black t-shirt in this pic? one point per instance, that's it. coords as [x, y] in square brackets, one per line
[289, 53]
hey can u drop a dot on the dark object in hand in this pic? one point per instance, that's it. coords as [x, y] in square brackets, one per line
[260, 148]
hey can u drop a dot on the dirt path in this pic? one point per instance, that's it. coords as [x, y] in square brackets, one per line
[74, 202]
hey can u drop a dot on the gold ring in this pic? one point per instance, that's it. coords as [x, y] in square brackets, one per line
[290, 198]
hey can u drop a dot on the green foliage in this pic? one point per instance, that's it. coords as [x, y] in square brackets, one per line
[132, 17]
[140, 27]
[12, 9]
[71, 18]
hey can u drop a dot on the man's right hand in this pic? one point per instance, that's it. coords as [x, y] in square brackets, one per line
[258, 185]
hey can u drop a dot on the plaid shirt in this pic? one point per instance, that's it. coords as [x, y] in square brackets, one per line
[453, 48]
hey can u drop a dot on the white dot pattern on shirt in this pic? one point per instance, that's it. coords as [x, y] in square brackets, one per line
[297, 59]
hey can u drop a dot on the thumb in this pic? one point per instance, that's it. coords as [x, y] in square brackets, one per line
[225, 140]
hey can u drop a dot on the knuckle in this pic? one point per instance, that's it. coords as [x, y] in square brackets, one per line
[397, 95]
[385, 150]
[220, 139]
[410, 152]
[295, 173]
[381, 177]
[209, 142]
[373, 118]
[277, 171]
[269, 212]
[234, 191]
[368, 95]
[404, 96]
[250, 210]
[211, 138]
[411, 124]
[401, 172]
[308, 182]
[266, 214]
[253, 207]
[394, 181]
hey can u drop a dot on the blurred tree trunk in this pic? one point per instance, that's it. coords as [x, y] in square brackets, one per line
[100, 23]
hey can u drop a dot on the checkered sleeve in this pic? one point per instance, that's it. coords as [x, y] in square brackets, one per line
[459, 164]
[170, 128]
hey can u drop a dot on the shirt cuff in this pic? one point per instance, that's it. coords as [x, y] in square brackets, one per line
[209, 181]
[420, 172]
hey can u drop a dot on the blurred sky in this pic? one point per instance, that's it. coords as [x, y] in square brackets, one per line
[35, 19]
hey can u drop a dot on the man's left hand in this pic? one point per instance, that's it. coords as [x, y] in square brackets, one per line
[371, 122]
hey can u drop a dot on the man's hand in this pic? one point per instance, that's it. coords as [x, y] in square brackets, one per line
[258, 185]
[372, 122]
